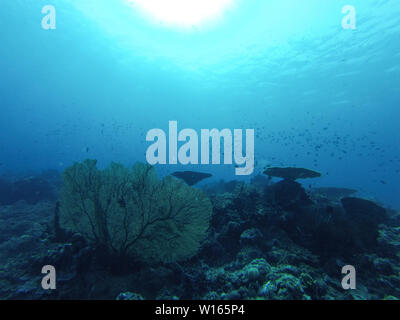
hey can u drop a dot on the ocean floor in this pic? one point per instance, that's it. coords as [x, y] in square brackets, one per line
[268, 239]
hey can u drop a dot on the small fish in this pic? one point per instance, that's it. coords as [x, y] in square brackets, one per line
[87, 149]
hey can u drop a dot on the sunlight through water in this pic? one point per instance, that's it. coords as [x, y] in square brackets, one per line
[182, 13]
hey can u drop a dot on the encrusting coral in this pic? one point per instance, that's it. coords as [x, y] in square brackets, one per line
[132, 212]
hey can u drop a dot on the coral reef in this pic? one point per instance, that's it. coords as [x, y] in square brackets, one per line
[265, 240]
[133, 212]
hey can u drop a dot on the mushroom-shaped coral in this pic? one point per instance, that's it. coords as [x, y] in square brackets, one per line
[291, 173]
[288, 193]
[191, 177]
[333, 193]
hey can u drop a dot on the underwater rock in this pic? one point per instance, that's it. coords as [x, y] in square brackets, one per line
[390, 298]
[250, 236]
[283, 286]
[223, 202]
[289, 287]
[233, 295]
[253, 274]
[166, 295]
[361, 293]
[291, 173]
[363, 218]
[383, 266]
[267, 290]
[389, 237]
[288, 194]
[212, 295]
[20, 218]
[249, 253]
[340, 232]
[364, 211]
[229, 236]
[254, 270]
[245, 199]
[129, 296]
[191, 177]
[245, 280]
[333, 193]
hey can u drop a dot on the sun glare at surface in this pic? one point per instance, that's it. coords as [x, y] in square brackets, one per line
[182, 13]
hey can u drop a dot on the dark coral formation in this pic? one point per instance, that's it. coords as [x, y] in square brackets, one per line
[333, 193]
[288, 194]
[291, 173]
[266, 241]
[191, 177]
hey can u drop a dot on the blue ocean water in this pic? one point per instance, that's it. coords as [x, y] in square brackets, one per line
[318, 96]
